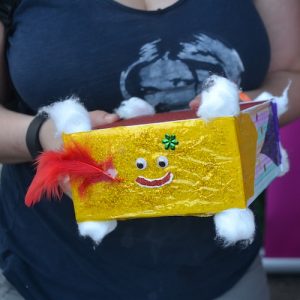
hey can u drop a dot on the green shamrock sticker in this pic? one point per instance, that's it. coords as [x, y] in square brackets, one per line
[170, 141]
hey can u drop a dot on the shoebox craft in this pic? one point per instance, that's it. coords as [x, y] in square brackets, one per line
[177, 164]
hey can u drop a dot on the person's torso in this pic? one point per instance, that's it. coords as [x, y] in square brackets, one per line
[105, 52]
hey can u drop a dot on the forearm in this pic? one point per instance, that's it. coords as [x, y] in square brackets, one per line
[13, 128]
[275, 83]
[13, 137]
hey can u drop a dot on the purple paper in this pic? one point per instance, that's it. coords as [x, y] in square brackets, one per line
[272, 137]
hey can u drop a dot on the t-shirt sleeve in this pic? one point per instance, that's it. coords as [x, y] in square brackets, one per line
[6, 11]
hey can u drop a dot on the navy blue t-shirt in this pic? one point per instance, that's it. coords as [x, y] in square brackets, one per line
[105, 52]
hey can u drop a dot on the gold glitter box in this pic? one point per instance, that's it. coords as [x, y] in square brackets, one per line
[175, 164]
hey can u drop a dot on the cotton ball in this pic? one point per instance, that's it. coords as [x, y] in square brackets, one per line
[220, 97]
[281, 101]
[134, 107]
[264, 96]
[96, 230]
[69, 116]
[285, 164]
[234, 225]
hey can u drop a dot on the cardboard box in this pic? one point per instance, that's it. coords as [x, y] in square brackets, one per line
[175, 164]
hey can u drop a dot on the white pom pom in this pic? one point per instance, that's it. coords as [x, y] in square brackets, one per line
[281, 101]
[220, 98]
[134, 107]
[96, 230]
[69, 116]
[234, 225]
[264, 96]
[285, 164]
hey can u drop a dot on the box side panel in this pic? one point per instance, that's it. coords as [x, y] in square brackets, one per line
[247, 136]
[268, 153]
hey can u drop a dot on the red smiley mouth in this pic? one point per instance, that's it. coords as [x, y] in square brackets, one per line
[155, 183]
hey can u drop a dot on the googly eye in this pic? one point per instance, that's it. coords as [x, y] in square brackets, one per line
[162, 162]
[141, 163]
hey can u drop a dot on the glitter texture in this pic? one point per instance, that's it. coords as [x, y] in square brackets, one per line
[211, 170]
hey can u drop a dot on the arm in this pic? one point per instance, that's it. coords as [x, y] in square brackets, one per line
[13, 126]
[282, 21]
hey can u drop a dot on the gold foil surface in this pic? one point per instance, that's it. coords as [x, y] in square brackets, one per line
[207, 172]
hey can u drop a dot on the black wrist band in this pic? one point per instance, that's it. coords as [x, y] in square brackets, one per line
[32, 134]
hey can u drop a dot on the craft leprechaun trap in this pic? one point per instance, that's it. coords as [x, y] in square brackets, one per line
[169, 164]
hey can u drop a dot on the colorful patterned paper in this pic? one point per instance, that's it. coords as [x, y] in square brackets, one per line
[268, 159]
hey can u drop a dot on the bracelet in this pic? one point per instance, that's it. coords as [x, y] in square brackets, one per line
[32, 134]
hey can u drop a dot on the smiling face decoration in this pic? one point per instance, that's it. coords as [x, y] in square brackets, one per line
[162, 162]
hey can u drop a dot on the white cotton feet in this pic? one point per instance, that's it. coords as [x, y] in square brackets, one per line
[96, 230]
[69, 116]
[134, 107]
[220, 97]
[234, 225]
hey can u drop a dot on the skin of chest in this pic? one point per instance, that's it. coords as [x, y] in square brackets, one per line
[147, 4]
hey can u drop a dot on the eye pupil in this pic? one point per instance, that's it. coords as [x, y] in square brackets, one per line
[162, 164]
[140, 165]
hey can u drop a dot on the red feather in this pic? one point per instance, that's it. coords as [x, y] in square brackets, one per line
[76, 162]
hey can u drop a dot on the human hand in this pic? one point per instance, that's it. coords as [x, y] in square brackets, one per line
[47, 134]
[100, 118]
[49, 140]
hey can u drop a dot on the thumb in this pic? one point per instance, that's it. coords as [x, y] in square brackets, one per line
[99, 118]
[195, 103]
